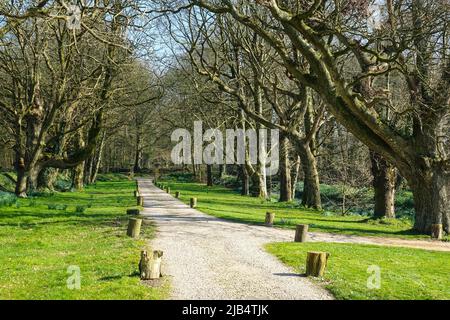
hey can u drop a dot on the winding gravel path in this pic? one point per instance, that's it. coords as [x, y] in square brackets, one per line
[211, 258]
[208, 258]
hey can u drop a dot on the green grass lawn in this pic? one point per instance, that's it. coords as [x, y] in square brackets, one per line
[404, 273]
[228, 204]
[41, 237]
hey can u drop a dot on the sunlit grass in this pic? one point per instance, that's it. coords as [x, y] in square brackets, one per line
[404, 273]
[228, 204]
[41, 237]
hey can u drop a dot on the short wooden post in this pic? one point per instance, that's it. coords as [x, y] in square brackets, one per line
[150, 267]
[270, 217]
[168, 189]
[301, 233]
[316, 263]
[437, 231]
[193, 202]
[134, 227]
[177, 194]
[140, 201]
[133, 212]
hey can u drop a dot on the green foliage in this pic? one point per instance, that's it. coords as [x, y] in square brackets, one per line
[37, 245]
[405, 273]
[359, 200]
[111, 177]
[180, 177]
[62, 207]
[80, 209]
[7, 199]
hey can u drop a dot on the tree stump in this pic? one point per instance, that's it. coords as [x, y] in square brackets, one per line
[270, 217]
[301, 233]
[134, 227]
[316, 263]
[193, 202]
[150, 267]
[177, 194]
[140, 201]
[133, 212]
[437, 231]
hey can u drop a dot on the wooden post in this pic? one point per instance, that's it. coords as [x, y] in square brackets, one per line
[316, 263]
[168, 190]
[150, 267]
[133, 212]
[437, 231]
[140, 201]
[193, 202]
[301, 233]
[270, 217]
[177, 194]
[134, 227]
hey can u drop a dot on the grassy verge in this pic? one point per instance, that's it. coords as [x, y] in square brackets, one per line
[228, 204]
[404, 273]
[41, 237]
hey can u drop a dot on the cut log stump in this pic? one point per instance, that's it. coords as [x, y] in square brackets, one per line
[193, 202]
[177, 194]
[134, 227]
[301, 233]
[150, 266]
[140, 201]
[270, 217]
[316, 263]
[133, 212]
[437, 231]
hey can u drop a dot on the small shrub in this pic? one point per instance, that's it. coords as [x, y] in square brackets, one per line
[7, 199]
[80, 209]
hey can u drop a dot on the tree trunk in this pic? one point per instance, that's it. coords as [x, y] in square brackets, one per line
[21, 182]
[384, 178]
[285, 170]
[98, 158]
[222, 170]
[209, 176]
[431, 192]
[138, 153]
[311, 190]
[245, 190]
[295, 176]
[32, 179]
[46, 178]
[78, 177]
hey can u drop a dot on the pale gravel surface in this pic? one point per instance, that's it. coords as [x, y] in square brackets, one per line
[208, 258]
[211, 258]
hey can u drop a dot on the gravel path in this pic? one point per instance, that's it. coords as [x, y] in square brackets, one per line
[208, 258]
[211, 258]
